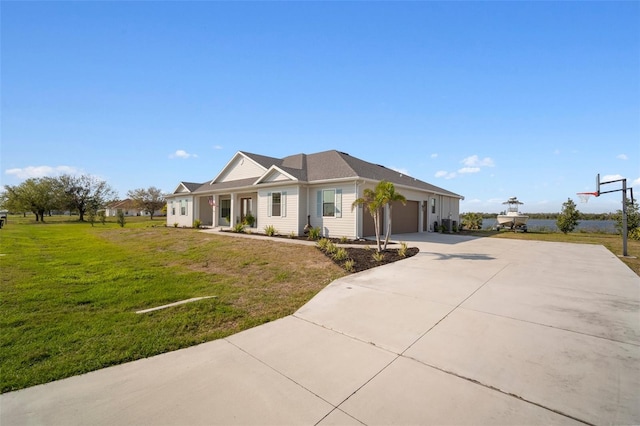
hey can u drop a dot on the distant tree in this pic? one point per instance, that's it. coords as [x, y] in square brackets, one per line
[121, 218]
[633, 218]
[388, 195]
[85, 192]
[36, 195]
[150, 200]
[472, 220]
[568, 219]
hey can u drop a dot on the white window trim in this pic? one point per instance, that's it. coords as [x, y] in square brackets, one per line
[283, 204]
[337, 202]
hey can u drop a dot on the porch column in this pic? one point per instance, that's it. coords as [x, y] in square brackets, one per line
[232, 215]
[214, 211]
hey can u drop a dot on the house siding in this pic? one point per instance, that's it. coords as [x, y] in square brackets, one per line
[181, 220]
[335, 227]
[241, 168]
[205, 211]
[276, 177]
[284, 224]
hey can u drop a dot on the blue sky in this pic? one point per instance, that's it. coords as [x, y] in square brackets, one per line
[485, 99]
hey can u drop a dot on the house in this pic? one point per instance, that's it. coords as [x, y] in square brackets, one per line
[318, 189]
[127, 207]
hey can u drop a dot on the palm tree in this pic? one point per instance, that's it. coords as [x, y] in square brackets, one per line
[387, 195]
[374, 200]
[372, 204]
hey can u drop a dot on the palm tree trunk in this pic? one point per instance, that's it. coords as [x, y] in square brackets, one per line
[376, 224]
[386, 237]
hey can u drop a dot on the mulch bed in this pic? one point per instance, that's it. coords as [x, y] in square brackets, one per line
[362, 257]
[364, 260]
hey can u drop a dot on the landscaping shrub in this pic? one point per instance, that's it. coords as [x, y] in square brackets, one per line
[349, 265]
[270, 230]
[378, 256]
[340, 254]
[315, 233]
[331, 248]
[402, 251]
[322, 244]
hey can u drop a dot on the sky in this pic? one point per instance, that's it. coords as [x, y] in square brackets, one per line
[485, 99]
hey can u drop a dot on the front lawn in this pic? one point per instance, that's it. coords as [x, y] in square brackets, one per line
[69, 292]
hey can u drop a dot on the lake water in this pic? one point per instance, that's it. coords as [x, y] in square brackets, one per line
[608, 226]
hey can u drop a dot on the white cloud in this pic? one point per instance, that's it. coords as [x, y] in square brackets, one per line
[465, 170]
[182, 154]
[609, 178]
[41, 171]
[434, 155]
[445, 174]
[556, 152]
[475, 161]
[217, 147]
[622, 157]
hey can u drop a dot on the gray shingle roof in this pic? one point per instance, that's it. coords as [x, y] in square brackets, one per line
[191, 186]
[322, 166]
[263, 160]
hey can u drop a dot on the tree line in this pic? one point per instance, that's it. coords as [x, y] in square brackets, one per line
[84, 195]
[553, 216]
[568, 219]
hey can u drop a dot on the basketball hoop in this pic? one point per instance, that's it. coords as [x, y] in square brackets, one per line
[584, 196]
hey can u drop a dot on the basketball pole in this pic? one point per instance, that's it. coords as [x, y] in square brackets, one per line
[624, 207]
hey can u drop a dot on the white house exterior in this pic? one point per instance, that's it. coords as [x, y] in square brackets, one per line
[128, 208]
[317, 188]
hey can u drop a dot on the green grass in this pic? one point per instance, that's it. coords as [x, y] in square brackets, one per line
[69, 292]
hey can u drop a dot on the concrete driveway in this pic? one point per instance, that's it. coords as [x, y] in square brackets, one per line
[469, 331]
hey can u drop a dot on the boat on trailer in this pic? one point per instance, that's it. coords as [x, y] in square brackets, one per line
[512, 218]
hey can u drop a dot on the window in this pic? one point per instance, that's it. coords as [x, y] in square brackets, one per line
[173, 209]
[433, 205]
[276, 204]
[183, 207]
[225, 209]
[329, 202]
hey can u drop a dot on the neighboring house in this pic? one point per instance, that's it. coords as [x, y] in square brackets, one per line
[316, 188]
[128, 208]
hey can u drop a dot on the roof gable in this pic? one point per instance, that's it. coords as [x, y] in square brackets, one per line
[243, 166]
[186, 187]
[275, 174]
